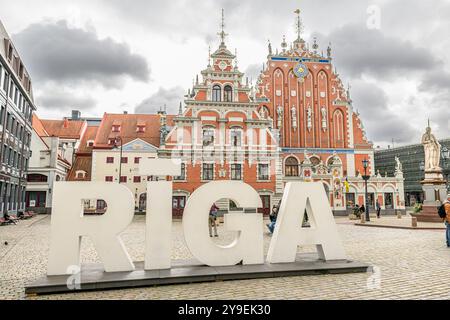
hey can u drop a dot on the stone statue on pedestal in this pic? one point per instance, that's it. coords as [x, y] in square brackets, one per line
[432, 151]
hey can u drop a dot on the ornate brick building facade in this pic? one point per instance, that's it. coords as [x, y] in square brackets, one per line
[297, 124]
[321, 137]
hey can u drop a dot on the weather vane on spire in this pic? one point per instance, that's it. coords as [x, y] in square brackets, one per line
[222, 34]
[299, 24]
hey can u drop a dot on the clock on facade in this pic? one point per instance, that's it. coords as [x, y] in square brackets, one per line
[301, 71]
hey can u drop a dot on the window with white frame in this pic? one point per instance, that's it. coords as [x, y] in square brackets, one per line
[236, 171]
[217, 93]
[228, 94]
[263, 171]
[208, 137]
[208, 172]
[182, 176]
[236, 137]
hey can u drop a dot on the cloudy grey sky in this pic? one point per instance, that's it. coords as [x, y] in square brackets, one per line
[115, 55]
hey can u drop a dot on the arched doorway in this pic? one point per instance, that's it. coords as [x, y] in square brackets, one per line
[143, 202]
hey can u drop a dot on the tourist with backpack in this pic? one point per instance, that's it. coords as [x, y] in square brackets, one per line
[444, 213]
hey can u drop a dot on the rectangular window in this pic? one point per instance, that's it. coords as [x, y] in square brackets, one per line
[137, 160]
[124, 160]
[208, 137]
[11, 89]
[5, 81]
[208, 172]
[16, 96]
[236, 172]
[109, 179]
[2, 114]
[137, 179]
[263, 172]
[123, 179]
[109, 160]
[183, 173]
[236, 137]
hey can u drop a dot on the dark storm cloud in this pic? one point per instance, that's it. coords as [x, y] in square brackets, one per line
[358, 50]
[381, 124]
[170, 98]
[55, 52]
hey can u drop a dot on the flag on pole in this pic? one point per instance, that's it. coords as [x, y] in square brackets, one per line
[347, 186]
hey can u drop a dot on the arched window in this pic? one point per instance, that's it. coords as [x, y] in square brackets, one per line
[228, 94]
[314, 160]
[338, 119]
[217, 93]
[291, 167]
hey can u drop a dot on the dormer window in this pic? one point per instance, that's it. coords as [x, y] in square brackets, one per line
[116, 128]
[80, 174]
[217, 93]
[90, 143]
[140, 128]
[228, 94]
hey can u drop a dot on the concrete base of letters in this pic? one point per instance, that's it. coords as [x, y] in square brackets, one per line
[93, 277]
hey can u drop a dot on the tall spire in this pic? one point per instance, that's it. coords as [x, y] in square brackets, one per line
[299, 25]
[222, 34]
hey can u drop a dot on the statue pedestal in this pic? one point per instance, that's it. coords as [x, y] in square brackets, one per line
[435, 190]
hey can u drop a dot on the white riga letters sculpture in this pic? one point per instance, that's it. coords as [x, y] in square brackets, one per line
[69, 224]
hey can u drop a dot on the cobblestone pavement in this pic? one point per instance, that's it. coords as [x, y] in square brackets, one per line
[410, 264]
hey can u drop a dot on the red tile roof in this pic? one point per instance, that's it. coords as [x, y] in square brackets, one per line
[38, 126]
[82, 163]
[128, 128]
[64, 128]
[89, 134]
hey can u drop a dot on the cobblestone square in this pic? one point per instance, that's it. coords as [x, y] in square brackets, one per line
[409, 264]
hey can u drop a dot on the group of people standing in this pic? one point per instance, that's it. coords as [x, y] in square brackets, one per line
[359, 210]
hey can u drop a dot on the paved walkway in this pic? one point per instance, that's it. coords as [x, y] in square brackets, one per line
[410, 264]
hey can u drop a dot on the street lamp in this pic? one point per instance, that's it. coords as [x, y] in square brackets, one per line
[119, 140]
[366, 178]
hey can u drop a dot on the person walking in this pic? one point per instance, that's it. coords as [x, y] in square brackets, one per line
[446, 206]
[212, 220]
[378, 210]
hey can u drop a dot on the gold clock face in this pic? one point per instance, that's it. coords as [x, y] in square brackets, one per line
[301, 71]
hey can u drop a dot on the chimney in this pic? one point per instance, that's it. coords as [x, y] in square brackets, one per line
[76, 115]
[66, 123]
[125, 112]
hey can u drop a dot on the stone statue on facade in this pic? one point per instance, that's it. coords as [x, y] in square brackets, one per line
[324, 117]
[294, 117]
[280, 116]
[309, 118]
[432, 150]
[398, 165]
